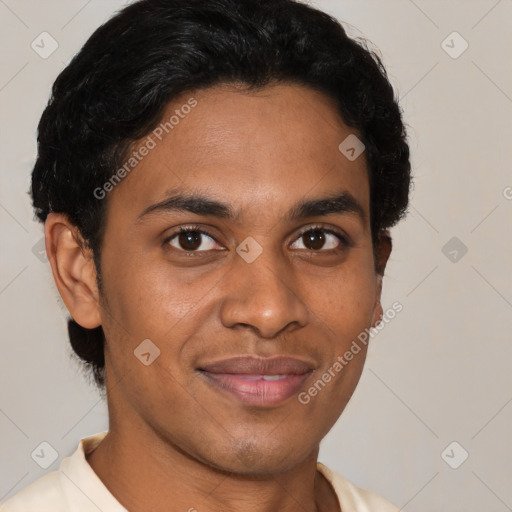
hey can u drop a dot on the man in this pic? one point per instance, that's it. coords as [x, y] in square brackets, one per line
[217, 179]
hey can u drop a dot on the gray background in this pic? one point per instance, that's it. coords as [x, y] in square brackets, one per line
[438, 373]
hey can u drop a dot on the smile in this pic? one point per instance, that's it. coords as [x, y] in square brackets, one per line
[258, 390]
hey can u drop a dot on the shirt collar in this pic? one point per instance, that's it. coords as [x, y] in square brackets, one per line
[84, 490]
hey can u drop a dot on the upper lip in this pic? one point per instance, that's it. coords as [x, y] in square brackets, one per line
[253, 365]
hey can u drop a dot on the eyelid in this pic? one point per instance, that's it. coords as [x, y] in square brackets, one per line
[187, 228]
[343, 238]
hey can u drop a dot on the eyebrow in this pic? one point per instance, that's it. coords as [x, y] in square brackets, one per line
[197, 204]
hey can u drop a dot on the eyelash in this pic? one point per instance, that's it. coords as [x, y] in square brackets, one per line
[344, 240]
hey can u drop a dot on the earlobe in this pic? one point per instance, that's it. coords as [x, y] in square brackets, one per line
[377, 308]
[383, 252]
[73, 270]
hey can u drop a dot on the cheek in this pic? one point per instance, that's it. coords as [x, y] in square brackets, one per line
[149, 298]
[345, 301]
[160, 303]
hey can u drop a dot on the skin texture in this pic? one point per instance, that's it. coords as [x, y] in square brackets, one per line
[174, 439]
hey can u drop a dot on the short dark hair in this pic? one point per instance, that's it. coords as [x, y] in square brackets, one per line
[115, 89]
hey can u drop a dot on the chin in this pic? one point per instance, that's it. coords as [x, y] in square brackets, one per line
[250, 458]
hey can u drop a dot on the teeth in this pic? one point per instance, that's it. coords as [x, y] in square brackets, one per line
[264, 377]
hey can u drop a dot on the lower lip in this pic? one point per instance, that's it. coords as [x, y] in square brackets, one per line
[257, 392]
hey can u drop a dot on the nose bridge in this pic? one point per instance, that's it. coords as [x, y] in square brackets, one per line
[263, 295]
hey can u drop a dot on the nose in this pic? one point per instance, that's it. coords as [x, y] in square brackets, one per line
[263, 295]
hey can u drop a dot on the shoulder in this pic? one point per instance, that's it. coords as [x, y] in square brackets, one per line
[43, 495]
[352, 498]
[58, 490]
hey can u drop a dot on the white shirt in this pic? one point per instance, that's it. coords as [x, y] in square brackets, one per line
[75, 487]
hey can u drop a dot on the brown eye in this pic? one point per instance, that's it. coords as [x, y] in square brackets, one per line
[192, 240]
[189, 241]
[314, 239]
[320, 239]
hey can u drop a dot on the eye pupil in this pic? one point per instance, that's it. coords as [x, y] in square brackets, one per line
[314, 239]
[190, 240]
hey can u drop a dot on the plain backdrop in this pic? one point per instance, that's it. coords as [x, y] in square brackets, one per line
[437, 387]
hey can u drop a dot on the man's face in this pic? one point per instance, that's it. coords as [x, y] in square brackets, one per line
[302, 283]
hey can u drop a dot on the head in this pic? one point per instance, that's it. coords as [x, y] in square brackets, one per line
[225, 118]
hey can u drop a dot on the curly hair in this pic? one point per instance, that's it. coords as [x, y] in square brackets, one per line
[115, 89]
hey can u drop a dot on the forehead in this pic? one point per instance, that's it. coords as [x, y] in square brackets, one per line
[253, 149]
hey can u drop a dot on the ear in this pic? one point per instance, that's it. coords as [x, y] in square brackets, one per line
[73, 270]
[382, 252]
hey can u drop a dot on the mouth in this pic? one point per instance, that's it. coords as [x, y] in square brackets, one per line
[257, 381]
